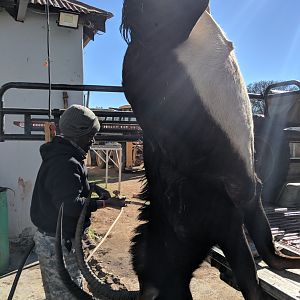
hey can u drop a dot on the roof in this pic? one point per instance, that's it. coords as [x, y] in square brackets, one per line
[92, 18]
[73, 5]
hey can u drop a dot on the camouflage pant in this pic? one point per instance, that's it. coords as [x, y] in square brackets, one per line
[53, 286]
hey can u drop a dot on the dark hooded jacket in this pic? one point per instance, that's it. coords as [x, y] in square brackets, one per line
[62, 178]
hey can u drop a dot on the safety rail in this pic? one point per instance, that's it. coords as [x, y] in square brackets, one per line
[268, 98]
[286, 108]
[115, 125]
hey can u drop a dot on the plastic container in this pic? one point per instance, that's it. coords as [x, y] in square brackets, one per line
[4, 244]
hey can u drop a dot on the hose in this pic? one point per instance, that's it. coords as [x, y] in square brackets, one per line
[106, 235]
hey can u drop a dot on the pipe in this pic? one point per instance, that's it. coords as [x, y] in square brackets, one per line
[106, 235]
[20, 269]
[4, 245]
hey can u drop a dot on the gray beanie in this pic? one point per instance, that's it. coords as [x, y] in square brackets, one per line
[77, 121]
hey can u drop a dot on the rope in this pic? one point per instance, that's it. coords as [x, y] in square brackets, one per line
[106, 235]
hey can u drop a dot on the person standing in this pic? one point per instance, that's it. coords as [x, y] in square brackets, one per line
[62, 178]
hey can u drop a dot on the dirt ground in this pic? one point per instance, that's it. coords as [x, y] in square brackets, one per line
[112, 260]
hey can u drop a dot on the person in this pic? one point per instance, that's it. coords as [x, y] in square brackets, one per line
[62, 178]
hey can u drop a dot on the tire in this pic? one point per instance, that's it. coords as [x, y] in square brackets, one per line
[98, 161]
[123, 158]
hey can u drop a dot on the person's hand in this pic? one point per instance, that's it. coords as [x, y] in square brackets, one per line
[115, 202]
[102, 193]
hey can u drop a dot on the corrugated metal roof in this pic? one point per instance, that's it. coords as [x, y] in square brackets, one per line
[92, 18]
[73, 5]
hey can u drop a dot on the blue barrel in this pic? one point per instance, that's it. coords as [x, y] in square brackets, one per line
[4, 245]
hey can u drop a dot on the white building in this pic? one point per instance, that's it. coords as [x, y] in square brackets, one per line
[23, 57]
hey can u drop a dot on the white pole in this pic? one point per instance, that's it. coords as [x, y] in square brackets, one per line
[106, 167]
[120, 168]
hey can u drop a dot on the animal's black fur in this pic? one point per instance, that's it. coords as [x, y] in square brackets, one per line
[199, 188]
[201, 191]
[145, 21]
[174, 120]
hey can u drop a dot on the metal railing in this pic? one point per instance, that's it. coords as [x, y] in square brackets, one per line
[115, 125]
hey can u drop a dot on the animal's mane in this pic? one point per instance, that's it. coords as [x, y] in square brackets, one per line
[131, 10]
[157, 22]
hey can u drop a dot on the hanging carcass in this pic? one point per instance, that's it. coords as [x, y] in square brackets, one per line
[181, 77]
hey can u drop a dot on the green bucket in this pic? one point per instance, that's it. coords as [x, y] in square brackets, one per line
[4, 245]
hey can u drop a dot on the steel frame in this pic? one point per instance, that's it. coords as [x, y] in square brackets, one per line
[115, 125]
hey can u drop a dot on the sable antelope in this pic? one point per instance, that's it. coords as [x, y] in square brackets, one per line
[182, 79]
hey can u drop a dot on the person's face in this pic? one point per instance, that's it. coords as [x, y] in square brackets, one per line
[85, 142]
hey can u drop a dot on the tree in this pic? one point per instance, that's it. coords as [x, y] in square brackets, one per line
[259, 87]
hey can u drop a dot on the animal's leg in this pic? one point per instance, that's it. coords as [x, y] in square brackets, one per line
[164, 264]
[156, 264]
[235, 247]
[259, 229]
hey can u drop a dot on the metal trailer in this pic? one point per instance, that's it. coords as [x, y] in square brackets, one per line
[277, 129]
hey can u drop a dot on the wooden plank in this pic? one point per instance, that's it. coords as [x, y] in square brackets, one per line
[129, 155]
[50, 131]
[287, 250]
[282, 285]
[285, 227]
[278, 286]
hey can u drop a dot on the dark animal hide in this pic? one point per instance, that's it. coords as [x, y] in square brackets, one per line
[183, 82]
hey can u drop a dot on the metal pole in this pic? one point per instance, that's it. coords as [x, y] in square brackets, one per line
[87, 104]
[120, 168]
[48, 59]
[106, 167]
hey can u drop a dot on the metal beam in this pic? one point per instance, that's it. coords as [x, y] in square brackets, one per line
[22, 9]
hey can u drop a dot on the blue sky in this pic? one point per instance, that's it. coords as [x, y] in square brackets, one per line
[265, 33]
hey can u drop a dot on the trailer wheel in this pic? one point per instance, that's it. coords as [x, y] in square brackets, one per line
[99, 162]
[114, 155]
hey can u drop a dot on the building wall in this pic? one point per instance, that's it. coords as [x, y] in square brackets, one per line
[23, 55]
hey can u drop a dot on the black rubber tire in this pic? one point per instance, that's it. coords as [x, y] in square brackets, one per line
[114, 155]
[100, 163]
